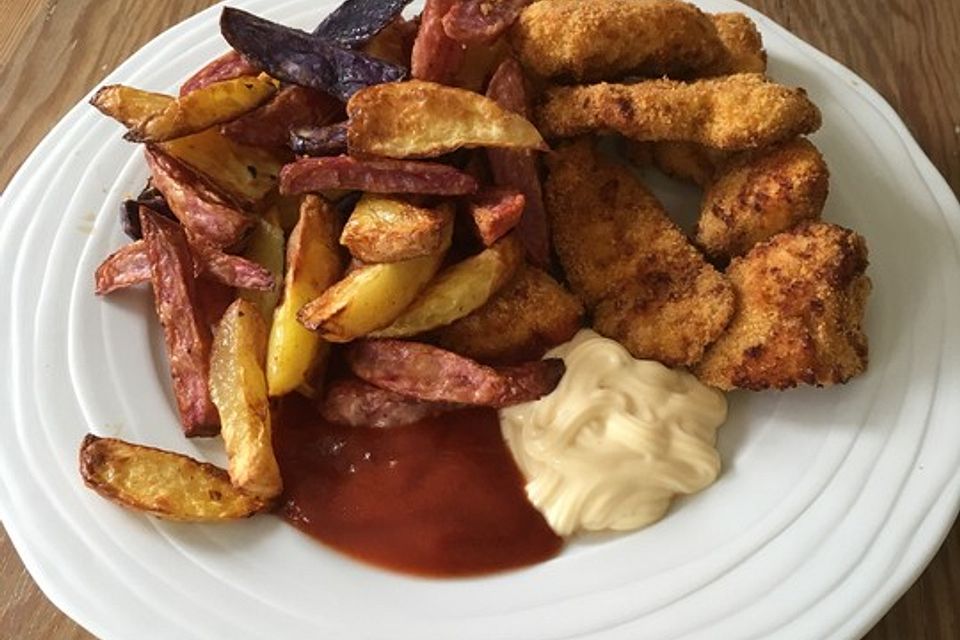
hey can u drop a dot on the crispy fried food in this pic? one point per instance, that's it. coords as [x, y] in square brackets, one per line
[187, 335]
[269, 125]
[242, 173]
[518, 168]
[238, 387]
[330, 140]
[388, 229]
[394, 43]
[759, 194]
[481, 21]
[687, 160]
[205, 215]
[265, 248]
[742, 44]
[313, 265]
[611, 39]
[376, 176]
[228, 66]
[436, 57]
[420, 119]
[429, 373]
[732, 113]
[650, 289]
[371, 296]
[357, 403]
[800, 306]
[154, 117]
[495, 212]
[531, 314]
[162, 483]
[355, 23]
[458, 290]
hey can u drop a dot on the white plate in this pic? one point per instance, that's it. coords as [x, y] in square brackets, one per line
[830, 505]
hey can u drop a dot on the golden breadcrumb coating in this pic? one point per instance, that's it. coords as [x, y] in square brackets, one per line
[742, 44]
[732, 113]
[759, 194]
[649, 288]
[800, 305]
[587, 41]
[688, 161]
[531, 314]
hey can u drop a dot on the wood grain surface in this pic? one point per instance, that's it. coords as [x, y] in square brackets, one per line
[53, 52]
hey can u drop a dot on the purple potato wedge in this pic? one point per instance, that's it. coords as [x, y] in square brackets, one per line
[355, 22]
[319, 141]
[297, 57]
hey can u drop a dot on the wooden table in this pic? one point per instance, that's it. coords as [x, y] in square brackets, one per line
[52, 53]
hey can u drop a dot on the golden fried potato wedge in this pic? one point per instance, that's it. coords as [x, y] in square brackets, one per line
[419, 119]
[388, 229]
[313, 265]
[371, 296]
[153, 117]
[165, 484]
[265, 247]
[459, 290]
[238, 387]
[245, 174]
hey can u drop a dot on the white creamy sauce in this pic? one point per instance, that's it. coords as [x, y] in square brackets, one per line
[616, 440]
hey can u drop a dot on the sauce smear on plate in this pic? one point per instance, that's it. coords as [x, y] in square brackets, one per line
[441, 497]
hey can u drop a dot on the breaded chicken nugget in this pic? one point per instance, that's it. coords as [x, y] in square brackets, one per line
[730, 113]
[521, 322]
[742, 44]
[651, 290]
[687, 160]
[758, 194]
[587, 41]
[800, 304]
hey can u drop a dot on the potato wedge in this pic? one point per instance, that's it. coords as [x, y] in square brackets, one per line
[313, 265]
[162, 483]
[372, 296]
[152, 117]
[238, 387]
[388, 229]
[459, 290]
[265, 248]
[419, 119]
[245, 174]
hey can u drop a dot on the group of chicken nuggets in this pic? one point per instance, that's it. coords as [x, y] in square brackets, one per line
[764, 295]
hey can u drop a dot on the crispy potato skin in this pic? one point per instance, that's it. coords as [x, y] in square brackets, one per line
[420, 119]
[371, 296]
[800, 306]
[760, 194]
[459, 290]
[649, 288]
[531, 314]
[610, 39]
[162, 483]
[731, 113]
[238, 387]
[313, 265]
[389, 229]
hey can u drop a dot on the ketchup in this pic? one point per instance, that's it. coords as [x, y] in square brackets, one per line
[441, 497]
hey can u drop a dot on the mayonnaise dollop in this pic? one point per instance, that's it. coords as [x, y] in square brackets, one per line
[616, 440]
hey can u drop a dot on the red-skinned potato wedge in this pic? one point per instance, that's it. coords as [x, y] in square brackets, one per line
[162, 483]
[205, 215]
[185, 330]
[238, 387]
[495, 212]
[294, 354]
[388, 229]
[315, 175]
[243, 173]
[151, 117]
[420, 119]
[269, 125]
[518, 168]
[479, 63]
[228, 66]
[214, 298]
[435, 56]
[426, 372]
[481, 21]
[129, 266]
[356, 403]
[458, 290]
[371, 296]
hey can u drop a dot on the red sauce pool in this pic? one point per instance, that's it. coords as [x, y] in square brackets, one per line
[442, 497]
